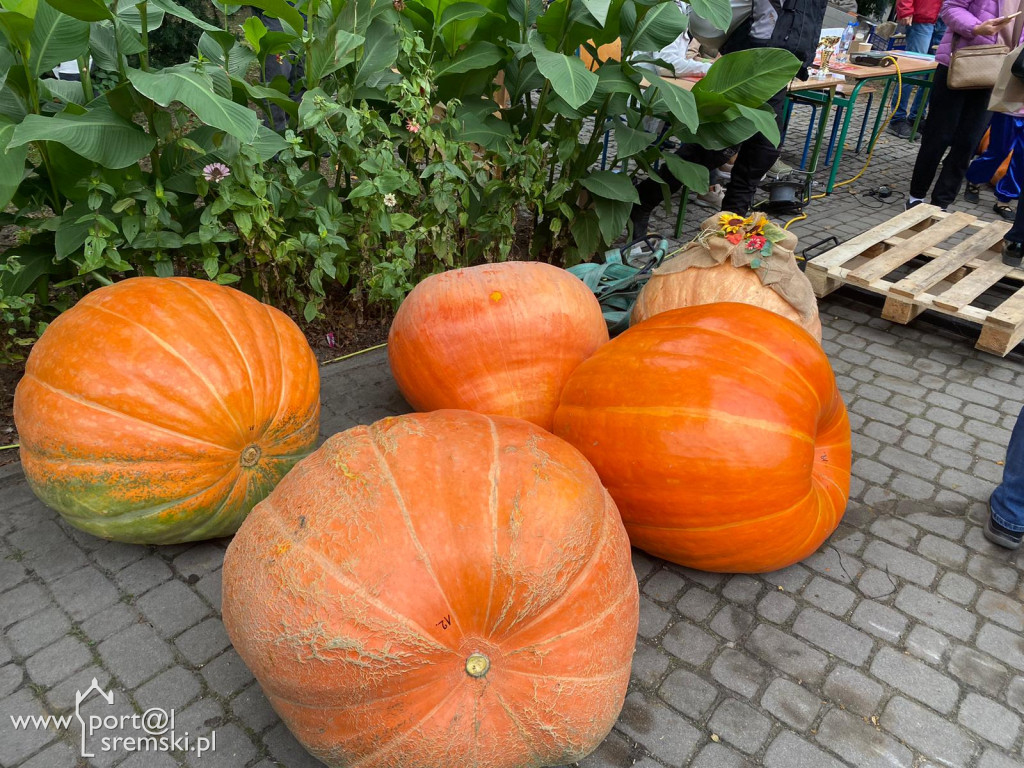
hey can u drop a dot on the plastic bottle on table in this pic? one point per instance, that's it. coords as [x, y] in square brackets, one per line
[843, 49]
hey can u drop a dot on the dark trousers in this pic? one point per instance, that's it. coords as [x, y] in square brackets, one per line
[956, 122]
[755, 157]
[1016, 233]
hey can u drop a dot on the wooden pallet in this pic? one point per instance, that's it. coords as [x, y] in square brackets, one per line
[957, 280]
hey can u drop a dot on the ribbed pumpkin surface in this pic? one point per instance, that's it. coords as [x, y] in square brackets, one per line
[719, 432]
[497, 338]
[438, 590]
[708, 285]
[160, 410]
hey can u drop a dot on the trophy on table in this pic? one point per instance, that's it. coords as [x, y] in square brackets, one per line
[827, 47]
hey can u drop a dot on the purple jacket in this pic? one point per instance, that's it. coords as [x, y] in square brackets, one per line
[961, 17]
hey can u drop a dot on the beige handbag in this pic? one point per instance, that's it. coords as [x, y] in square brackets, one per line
[977, 66]
[1008, 93]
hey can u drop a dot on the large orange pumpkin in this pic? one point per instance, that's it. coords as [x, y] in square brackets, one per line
[160, 410]
[719, 432]
[708, 285]
[497, 338]
[438, 590]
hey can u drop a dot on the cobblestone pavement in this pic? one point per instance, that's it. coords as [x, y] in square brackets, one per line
[899, 644]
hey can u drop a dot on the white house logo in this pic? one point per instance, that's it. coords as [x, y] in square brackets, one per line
[152, 731]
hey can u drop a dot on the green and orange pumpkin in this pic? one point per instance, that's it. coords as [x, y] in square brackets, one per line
[496, 338]
[160, 410]
[437, 590]
[720, 433]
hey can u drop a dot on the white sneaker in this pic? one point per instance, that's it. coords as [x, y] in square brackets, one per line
[714, 196]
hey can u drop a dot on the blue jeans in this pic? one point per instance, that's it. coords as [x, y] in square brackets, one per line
[1006, 135]
[919, 40]
[1007, 501]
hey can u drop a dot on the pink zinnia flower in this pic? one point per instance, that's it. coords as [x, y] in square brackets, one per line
[216, 172]
[756, 243]
[412, 126]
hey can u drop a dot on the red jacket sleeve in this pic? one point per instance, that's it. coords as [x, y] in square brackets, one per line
[904, 8]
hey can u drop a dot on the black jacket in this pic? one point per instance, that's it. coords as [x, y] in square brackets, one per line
[797, 30]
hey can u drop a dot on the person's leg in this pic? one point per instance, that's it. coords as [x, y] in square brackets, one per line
[756, 157]
[943, 115]
[1005, 526]
[974, 117]
[649, 190]
[919, 39]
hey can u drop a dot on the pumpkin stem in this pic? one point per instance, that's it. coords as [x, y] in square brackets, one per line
[250, 456]
[477, 665]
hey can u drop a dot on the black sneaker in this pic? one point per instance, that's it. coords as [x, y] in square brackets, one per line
[1013, 253]
[1005, 211]
[1001, 536]
[902, 130]
[972, 193]
[912, 204]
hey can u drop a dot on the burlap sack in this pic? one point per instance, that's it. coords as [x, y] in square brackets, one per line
[776, 271]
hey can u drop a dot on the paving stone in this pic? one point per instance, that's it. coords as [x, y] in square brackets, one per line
[649, 665]
[253, 710]
[742, 589]
[829, 596]
[57, 755]
[776, 607]
[957, 588]
[977, 669]
[790, 579]
[732, 622]
[37, 631]
[61, 698]
[107, 622]
[113, 556]
[720, 756]
[234, 750]
[203, 641]
[210, 587]
[834, 636]
[689, 643]
[879, 620]
[925, 643]
[1015, 694]
[916, 679]
[928, 733]
[791, 703]
[989, 720]
[1001, 609]
[19, 743]
[992, 759]
[84, 593]
[614, 751]
[853, 690]
[935, 611]
[790, 751]
[740, 725]
[135, 654]
[286, 751]
[227, 674]
[942, 551]
[705, 579]
[172, 689]
[739, 672]
[877, 584]
[201, 559]
[48, 551]
[172, 608]
[992, 573]
[697, 604]
[787, 654]
[896, 531]
[21, 602]
[58, 661]
[140, 577]
[835, 564]
[150, 760]
[664, 586]
[653, 618]
[861, 743]
[900, 563]
[1005, 646]
[690, 694]
[12, 573]
[11, 676]
[664, 733]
